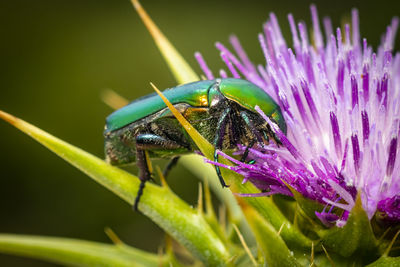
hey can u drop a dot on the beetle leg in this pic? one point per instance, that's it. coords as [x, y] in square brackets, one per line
[272, 135]
[144, 174]
[172, 163]
[150, 141]
[249, 123]
[246, 152]
[266, 134]
[276, 139]
[145, 143]
[218, 141]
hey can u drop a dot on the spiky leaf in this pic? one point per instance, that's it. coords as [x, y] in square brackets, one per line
[386, 262]
[159, 203]
[78, 252]
[273, 247]
[181, 70]
[355, 237]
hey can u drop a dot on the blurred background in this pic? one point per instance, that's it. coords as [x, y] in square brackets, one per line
[58, 56]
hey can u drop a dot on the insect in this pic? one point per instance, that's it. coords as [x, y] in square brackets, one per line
[222, 110]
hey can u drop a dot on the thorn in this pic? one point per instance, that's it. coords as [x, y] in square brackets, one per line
[160, 253]
[246, 248]
[8, 118]
[29, 129]
[384, 234]
[162, 178]
[281, 228]
[168, 244]
[112, 236]
[206, 148]
[113, 99]
[327, 255]
[200, 200]
[181, 70]
[174, 111]
[222, 217]
[231, 259]
[386, 253]
[312, 255]
[207, 196]
[148, 22]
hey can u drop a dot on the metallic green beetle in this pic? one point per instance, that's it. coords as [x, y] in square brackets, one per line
[222, 110]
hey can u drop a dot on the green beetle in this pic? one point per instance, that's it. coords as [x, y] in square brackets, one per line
[222, 110]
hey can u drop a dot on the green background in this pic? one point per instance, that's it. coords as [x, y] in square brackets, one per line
[56, 58]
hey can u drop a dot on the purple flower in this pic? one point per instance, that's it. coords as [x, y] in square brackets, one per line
[341, 102]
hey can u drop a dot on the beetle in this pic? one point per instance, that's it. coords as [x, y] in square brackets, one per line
[222, 110]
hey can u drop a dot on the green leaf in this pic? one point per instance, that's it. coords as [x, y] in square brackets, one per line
[266, 207]
[78, 252]
[273, 247]
[385, 261]
[158, 203]
[305, 218]
[287, 205]
[181, 70]
[355, 237]
[206, 172]
[307, 205]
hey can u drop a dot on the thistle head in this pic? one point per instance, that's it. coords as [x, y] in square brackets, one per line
[340, 100]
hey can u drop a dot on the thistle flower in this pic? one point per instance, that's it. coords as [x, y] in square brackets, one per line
[340, 100]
